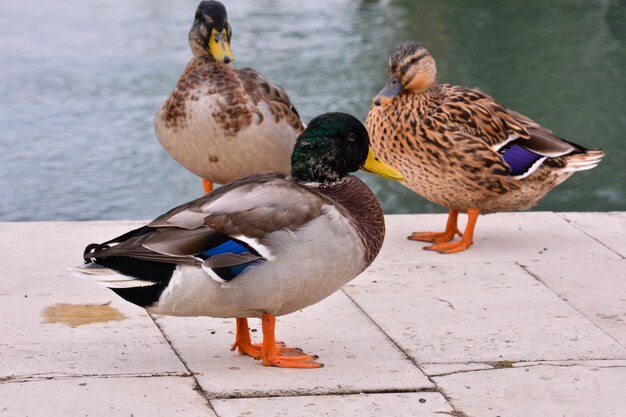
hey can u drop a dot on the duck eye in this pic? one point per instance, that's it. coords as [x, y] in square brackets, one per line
[351, 137]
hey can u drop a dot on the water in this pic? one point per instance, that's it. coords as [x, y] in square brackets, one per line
[80, 82]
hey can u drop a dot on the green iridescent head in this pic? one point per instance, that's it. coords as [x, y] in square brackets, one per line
[332, 146]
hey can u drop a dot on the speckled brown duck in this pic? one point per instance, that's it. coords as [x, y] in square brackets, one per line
[262, 246]
[459, 148]
[221, 123]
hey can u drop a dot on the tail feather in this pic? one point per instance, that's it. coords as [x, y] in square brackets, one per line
[107, 277]
[584, 161]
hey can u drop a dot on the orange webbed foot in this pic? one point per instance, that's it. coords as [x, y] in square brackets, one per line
[440, 237]
[289, 358]
[283, 357]
[254, 349]
[272, 353]
[436, 237]
[449, 247]
[248, 349]
[466, 239]
[300, 362]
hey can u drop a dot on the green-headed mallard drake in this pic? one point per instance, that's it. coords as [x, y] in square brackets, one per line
[220, 123]
[459, 148]
[262, 246]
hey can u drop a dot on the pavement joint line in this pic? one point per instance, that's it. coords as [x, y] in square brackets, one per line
[453, 413]
[409, 357]
[530, 365]
[197, 387]
[531, 361]
[541, 281]
[573, 224]
[382, 264]
[62, 377]
[320, 393]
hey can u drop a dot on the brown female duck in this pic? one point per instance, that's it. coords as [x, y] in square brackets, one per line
[262, 246]
[220, 123]
[459, 148]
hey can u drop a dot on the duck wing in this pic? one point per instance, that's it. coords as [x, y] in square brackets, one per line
[542, 141]
[223, 232]
[518, 141]
[275, 97]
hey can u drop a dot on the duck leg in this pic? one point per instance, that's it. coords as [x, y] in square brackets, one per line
[466, 240]
[273, 356]
[440, 237]
[243, 342]
[207, 185]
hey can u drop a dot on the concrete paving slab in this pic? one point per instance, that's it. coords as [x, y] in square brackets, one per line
[477, 319]
[32, 283]
[105, 397]
[476, 312]
[589, 389]
[41, 247]
[597, 290]
[419, 404]
[31, 346]
[356, 355]
[525, 237]
[608, 228]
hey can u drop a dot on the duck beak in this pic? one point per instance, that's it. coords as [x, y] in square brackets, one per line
[392, 89]
[376, 166]
[219, 46]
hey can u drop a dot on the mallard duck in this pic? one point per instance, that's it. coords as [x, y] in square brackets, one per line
[263, 246]
[459, 148]
[220, 123]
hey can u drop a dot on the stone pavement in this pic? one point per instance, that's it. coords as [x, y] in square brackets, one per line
[530, 322]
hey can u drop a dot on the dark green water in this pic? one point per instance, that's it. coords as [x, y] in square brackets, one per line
[80, 81]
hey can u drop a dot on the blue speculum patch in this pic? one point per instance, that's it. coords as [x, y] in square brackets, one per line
[519, 159]
[230, 246]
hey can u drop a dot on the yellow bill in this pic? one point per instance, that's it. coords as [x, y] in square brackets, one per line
[219, 46]
[378, 167]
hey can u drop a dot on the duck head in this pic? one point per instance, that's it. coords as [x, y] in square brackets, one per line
[332, 146]
[411, 68]
[210, 33]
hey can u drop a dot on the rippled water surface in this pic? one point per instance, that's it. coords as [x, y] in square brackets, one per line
[81, 80]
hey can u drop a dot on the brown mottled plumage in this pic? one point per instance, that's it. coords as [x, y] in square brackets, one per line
[461, 149]
[221, 123]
